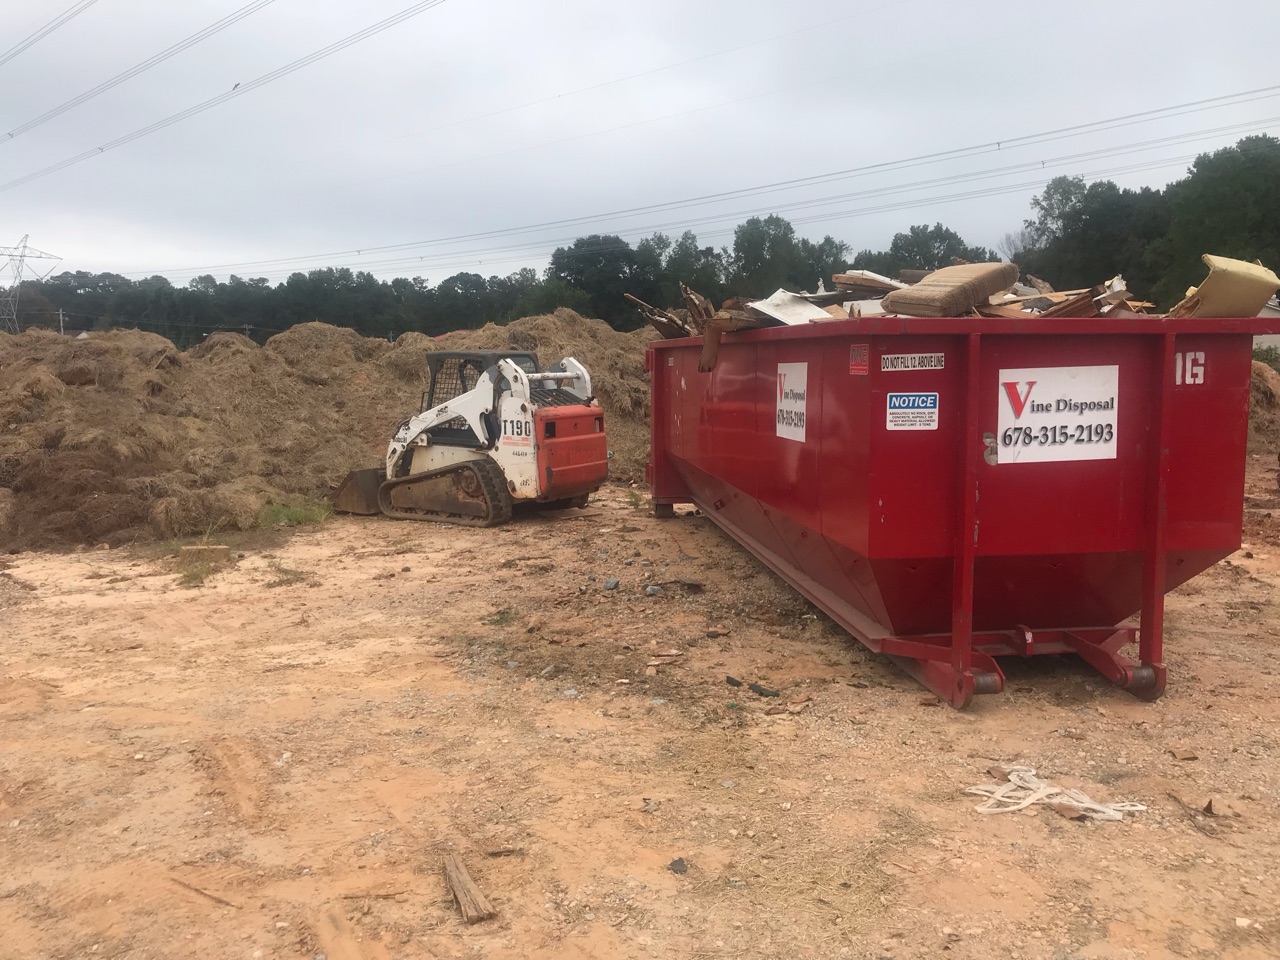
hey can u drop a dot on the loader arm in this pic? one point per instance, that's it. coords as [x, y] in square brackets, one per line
[475, 403]
[470, 406]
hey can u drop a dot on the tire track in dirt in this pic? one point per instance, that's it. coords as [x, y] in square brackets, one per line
[234, 772]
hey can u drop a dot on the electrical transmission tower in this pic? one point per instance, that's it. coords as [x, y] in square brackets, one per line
[11, 278]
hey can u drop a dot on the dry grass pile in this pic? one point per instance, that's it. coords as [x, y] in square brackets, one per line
[615, 361]
[122, 436]
[1264, 407]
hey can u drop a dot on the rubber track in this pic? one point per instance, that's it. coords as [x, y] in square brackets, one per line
[493, 484]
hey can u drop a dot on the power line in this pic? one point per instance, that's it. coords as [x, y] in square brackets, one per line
[1099, 126]
[142, 67]
[491, 255]
[44, 31]
[240, 89]
[429, 260]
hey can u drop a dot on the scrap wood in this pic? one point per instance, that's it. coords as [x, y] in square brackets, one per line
[666, 323]
[1197, 817]
[1113, 291]
[389, 895]
[722, 322]
[1009, 313]
[1078, 307]
[699, 307]
[205, 893]
[466, 894]
[866, 280]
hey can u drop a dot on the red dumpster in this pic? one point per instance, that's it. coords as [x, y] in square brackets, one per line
[954, 490]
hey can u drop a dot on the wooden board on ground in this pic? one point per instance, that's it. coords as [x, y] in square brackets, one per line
[470, 900]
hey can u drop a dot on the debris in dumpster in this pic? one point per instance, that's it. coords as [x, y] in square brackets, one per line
[864, 283]
[1082, 305]
[1234, 288]
[789, 308]
[1023, 788]
[726, 321]
[664, 321]
[952, 291]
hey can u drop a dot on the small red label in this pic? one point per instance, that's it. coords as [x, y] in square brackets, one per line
[859, 359]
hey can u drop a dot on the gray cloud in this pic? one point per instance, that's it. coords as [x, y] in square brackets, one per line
[465, 119]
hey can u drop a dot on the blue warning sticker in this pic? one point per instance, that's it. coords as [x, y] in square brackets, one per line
[911, 411]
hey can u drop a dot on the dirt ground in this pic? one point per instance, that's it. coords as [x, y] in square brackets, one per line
[272, 763]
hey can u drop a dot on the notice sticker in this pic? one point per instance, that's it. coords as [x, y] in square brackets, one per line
[1049, 414]
[911, 411]
[793, 386]
[860, 359]
[912, 361]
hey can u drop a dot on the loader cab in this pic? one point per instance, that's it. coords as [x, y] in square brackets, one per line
[451, 373]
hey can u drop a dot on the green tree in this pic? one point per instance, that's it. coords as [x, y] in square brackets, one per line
[767, 255]
[605, 268]
[1229, 205]
[922, 247]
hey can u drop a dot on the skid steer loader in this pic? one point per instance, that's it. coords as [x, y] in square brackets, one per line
[495, 431]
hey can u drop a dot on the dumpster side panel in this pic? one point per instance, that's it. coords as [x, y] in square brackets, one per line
[1208, 442]
[845, 478]
[666, 433]
[1069, 507]
[914, 461]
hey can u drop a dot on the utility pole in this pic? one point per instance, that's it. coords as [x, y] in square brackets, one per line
[19, 270]
[61, 330]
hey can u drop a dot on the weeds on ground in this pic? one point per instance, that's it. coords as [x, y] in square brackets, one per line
[295, 513]
[196, 574]
[501, 618]
[635, 499]
[285, 576]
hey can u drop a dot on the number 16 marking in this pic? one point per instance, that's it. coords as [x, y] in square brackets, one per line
[1189, 368]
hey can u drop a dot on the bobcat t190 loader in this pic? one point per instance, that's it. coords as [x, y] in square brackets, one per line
[496, 431]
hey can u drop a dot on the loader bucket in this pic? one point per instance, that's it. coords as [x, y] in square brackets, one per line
[358, 492]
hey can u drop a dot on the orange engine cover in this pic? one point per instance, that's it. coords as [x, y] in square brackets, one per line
[573, 453]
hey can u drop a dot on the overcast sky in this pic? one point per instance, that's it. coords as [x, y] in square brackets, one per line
[487, 115]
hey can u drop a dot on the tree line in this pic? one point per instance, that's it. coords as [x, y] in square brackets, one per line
[1078, 234]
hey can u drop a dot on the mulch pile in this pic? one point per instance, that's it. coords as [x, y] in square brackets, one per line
[1264, 407]
[122, 437]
